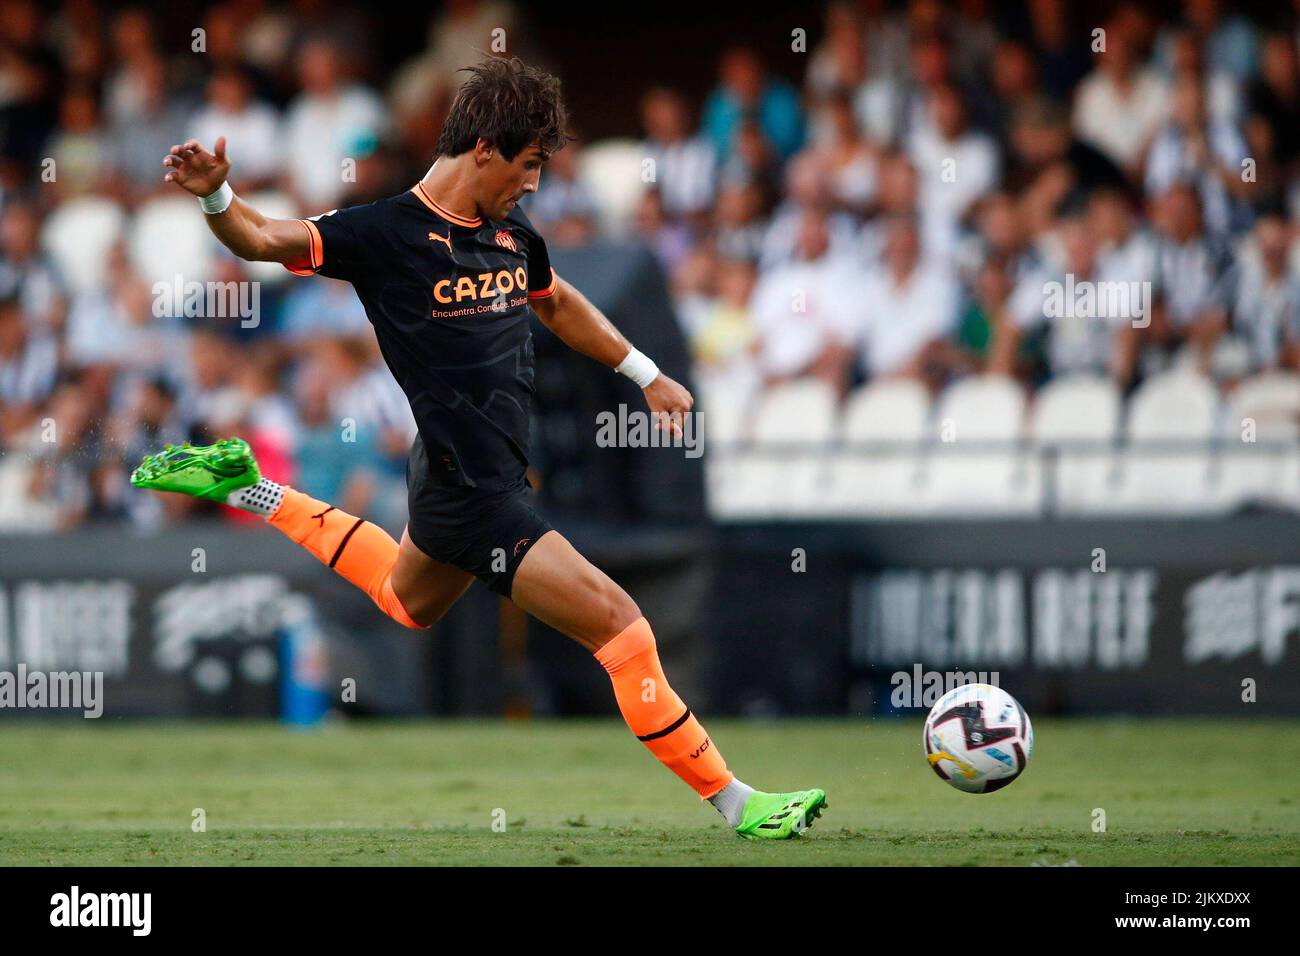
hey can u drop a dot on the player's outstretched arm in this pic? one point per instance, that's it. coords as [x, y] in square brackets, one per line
[584, 328]
[241, 228]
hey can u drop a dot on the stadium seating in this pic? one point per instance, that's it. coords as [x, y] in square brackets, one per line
[1076, 422]
[883, 452]
[724, 409]
[1258, 461]
[978, 463]
[1165, 466]
[165, 240]
[781, 470]
[18, 513]
[612, 170]
[78, 235]
[876, 472]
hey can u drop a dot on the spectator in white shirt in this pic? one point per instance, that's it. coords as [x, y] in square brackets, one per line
[1121, 104]
[1126, 251]
[251, 127]
[807, 187]
[850, 159]
[840, 61]
[324, 121]
[81, 150]
[897, 194]
[955, 164]
[807, 310]
[909, 305]
[134, 48]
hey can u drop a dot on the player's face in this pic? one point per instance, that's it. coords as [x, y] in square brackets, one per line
[508, 181]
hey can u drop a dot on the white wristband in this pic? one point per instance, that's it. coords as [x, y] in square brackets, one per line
[219, 201]
[638, 367]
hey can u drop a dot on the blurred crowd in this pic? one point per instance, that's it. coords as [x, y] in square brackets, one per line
[944, 165]
[92, 376]
[899, 210]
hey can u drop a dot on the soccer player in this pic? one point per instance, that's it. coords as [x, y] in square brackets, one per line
[448, 272]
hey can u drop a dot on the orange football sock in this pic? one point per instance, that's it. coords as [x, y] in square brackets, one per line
[657, 715]
[362, 552]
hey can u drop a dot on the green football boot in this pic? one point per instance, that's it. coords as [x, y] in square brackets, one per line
[780, 816]
[203, 471]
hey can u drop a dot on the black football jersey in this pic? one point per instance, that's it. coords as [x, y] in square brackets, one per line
[449, 300]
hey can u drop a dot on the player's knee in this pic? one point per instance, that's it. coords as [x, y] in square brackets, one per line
[608, 609]
[413, 610]
[421, 619]
[620, 610]
[425, 614]
[414, 625]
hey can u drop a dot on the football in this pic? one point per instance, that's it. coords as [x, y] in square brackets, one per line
[978, 738]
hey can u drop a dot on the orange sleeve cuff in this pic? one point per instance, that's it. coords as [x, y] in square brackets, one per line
[629, 643]
[549, 290]
[315, 252]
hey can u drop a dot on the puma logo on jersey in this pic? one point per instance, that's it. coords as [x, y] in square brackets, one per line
[445, 240]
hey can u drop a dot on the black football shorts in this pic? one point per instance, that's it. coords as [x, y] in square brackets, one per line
[486, 533]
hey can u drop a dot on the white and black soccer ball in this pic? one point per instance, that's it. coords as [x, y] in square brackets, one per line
[978, 738]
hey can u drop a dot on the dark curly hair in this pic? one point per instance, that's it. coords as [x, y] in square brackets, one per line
[510, 105]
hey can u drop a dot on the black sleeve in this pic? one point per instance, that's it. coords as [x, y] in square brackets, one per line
[541, 277]
[342, 243]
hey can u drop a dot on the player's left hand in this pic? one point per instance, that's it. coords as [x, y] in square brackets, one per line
[669, 402]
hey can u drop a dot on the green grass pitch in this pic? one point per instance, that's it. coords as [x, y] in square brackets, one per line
[1207, 792]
